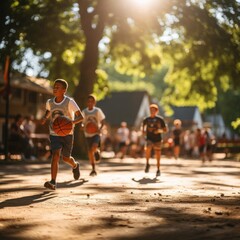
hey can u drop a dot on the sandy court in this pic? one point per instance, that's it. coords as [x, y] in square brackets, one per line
[188, 201]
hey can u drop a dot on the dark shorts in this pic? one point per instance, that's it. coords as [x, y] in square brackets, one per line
[154, 145]
[94, 140]
[201, 148]
[64, 143]
[176, 142]
[122, 144]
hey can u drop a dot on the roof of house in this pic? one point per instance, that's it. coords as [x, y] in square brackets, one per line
[215, 119]
[184, 113]
[40, 85]
[122, 106]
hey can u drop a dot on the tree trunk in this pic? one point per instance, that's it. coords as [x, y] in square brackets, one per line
[85, 87]
[93, 32]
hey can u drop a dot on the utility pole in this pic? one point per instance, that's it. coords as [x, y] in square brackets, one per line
[7, 93]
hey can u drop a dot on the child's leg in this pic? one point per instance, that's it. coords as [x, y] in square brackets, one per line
[148, 151]
[67, 151]
[158, 157]
[75, 166]
[55, 163]
[93, 148]
[70, 161]
[91, 158]
[176, 151]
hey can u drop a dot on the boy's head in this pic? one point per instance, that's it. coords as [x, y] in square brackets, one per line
[92, 96]
[60, 87]
[62, 82]
[177, 122]
[91, 101]
[153, 109]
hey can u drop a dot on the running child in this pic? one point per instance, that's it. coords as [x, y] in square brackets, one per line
[94, 120]
[61, 105]
[153, 127]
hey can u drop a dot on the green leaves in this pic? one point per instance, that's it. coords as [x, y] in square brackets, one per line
[197, 40]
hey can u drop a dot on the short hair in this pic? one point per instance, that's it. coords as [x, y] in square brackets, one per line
[92, 96]
[153, 106]
[177, 122]
[63, 82]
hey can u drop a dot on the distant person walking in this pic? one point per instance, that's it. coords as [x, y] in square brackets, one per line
[61, 105]
[153, 127]
[209, 145]
[176, 135]
[94, 120]
[19, 140]
[123, 135]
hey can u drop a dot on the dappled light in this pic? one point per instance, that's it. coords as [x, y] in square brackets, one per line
[190, 200]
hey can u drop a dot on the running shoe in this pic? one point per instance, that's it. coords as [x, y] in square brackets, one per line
[97, 156]
[158, 173]
[50, 185]
[93, 173]
[147, 168]
[76, 172]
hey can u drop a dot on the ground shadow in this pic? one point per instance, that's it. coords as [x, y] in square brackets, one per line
[146, 180]
[71, 184]
[28, 200]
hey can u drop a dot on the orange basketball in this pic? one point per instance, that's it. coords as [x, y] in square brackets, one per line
[91, 127]
[62, 126]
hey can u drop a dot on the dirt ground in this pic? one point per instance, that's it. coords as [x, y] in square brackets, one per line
[188, 201]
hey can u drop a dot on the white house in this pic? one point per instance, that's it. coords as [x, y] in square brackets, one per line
[131, 107]
[189, 115]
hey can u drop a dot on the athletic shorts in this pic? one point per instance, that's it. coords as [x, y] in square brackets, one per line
[122, 144]
[154, 145]
[176, 142]
[93, 140]
[64, 143]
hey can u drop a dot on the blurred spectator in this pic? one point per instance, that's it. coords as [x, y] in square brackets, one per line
[209, 145]
[106, 140]
[189, 142]
[123, 139]
[134, 141]
[200, 143]
[29, 128]
[19, 140]
[176, 135]
[29, 125]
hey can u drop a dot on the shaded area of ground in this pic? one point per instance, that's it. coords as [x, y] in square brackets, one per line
[188, 201]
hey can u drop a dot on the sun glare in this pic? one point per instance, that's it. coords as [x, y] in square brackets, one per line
[142, 3]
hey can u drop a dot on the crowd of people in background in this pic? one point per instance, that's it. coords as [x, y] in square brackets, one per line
[20, 138]
[178, 142]
[153, 138]
[124, 141]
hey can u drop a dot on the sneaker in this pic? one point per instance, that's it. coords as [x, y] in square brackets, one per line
[147, 168]
[93, 173]
[97, 156]
[158, 173]
[50, 185]
[76, 172]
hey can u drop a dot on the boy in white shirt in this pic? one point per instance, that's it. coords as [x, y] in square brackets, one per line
[94, 120]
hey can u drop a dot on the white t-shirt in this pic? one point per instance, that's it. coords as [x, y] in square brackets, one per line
[67, 107]
[95, 116]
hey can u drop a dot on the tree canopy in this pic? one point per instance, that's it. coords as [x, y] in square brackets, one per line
[197, 40]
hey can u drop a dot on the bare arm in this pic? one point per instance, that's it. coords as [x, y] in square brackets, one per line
[144, 129]
[103, 122]
[45, 117]
[78, 117]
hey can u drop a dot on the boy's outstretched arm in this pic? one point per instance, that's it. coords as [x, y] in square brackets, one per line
[45, 117]
[78, 117]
